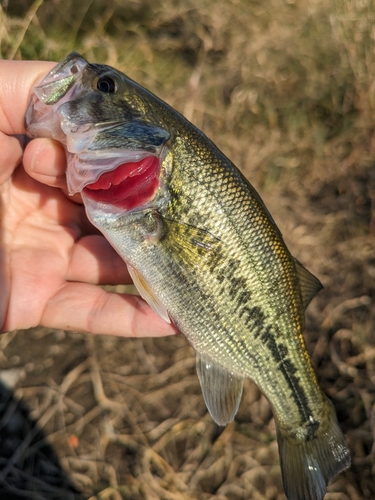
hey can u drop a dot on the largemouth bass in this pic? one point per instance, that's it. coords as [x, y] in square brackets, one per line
[202, 250]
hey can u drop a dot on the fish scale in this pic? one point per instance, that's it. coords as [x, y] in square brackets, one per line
[204, 252]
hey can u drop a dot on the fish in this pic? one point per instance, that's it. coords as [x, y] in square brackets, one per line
[202, 250]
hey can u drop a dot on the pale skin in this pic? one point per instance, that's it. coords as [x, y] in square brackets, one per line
[51, 258]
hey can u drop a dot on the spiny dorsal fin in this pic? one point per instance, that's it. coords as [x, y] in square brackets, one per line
[309, 284]
[222, 389]
[147, 294]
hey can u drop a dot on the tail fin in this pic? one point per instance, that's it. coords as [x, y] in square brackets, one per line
[308, 465]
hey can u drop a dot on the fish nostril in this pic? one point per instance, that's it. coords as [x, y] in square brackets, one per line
[74, 69]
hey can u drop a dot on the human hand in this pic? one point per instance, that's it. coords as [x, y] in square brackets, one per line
[51, 258]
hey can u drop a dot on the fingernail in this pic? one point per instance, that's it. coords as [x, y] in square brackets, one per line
[38, 157]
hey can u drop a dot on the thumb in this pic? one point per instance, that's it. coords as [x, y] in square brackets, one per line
[17, 79]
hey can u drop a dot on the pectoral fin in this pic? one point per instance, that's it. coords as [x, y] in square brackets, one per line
[195, 246]
[147, 294]
[222, 389]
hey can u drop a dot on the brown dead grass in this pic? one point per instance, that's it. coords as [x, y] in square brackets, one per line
[286, 90]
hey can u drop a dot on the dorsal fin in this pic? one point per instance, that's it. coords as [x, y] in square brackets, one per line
[221, 388]
[309, 284]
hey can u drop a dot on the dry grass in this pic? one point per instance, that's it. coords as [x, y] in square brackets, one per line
[286, 90]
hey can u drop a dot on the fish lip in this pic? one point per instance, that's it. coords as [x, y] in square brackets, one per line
[70, 59]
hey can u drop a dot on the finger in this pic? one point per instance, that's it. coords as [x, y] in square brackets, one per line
[83, 307]
[93, 260]
[45, 161]
[17, 79]
[11, 155]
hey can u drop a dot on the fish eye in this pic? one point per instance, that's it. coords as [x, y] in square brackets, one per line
[106, 84]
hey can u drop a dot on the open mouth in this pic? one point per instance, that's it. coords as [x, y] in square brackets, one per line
[129, 186]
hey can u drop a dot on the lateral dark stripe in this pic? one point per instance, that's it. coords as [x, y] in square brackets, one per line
[279, 353]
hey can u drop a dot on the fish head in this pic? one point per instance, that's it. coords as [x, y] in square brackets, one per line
[114, 142]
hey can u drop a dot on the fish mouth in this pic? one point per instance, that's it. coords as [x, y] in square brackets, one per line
[129, 186]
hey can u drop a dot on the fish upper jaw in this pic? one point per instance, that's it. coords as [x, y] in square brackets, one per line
[72, 65]
[60, 85]
[58, 82]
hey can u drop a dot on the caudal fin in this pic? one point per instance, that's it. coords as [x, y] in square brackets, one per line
[308, 465]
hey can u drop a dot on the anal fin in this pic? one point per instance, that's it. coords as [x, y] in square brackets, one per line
[221, 388]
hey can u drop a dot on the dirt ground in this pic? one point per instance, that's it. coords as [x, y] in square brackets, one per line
[290, 99]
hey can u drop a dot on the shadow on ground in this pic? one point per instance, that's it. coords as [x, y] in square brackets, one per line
[29, 467]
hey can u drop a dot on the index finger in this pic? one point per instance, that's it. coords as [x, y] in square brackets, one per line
[17, 79]
[89, 308]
